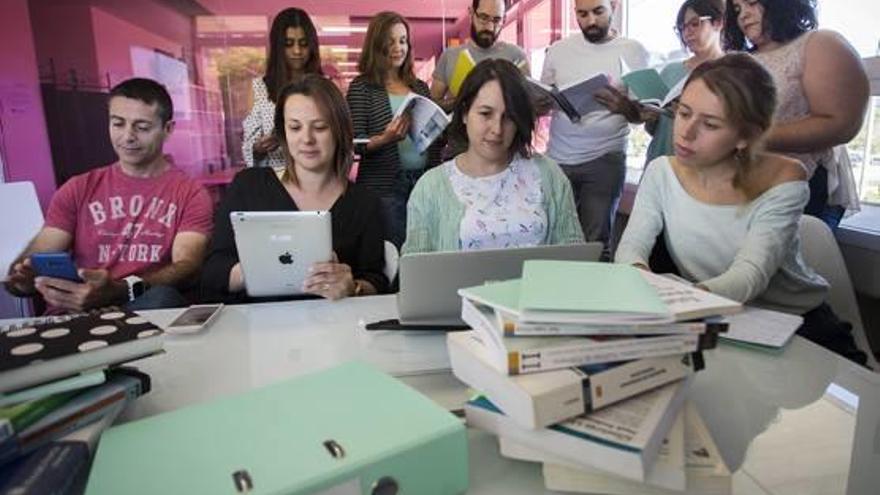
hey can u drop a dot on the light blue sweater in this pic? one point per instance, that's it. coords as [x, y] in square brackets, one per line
[749, 252]
[434, 212]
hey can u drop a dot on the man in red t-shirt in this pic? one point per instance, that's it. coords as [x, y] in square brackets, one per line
[137, 229]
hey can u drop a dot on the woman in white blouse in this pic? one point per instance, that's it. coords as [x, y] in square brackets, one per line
[496, 192]
[729, 211]
[293, 52]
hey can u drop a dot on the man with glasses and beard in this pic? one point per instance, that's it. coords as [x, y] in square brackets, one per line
[592, 152]
[487, 19]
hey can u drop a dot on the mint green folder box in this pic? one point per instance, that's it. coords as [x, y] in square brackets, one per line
[346, 430]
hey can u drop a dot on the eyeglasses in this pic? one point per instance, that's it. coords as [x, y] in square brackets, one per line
[487, 19]
[692, 24]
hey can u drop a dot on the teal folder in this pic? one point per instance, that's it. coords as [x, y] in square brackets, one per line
[346, 430]
[555, 288]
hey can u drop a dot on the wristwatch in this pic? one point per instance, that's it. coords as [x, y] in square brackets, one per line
[136, 287]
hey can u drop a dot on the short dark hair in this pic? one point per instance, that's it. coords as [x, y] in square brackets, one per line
[749, 95]
[785, 20]
[374, 62]
[475, 4]
[334, 109]
[517, 104]
[147, 91]
[276, 64]
[714, 9]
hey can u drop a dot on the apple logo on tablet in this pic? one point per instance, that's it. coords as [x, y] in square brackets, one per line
[286, 258]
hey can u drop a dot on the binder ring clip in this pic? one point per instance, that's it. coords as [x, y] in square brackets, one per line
[242, 480]
[334, 448]
[385, 485]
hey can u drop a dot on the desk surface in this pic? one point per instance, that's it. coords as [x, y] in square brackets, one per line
[801, 422]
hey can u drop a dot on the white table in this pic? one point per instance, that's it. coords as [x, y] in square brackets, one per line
[785, 423]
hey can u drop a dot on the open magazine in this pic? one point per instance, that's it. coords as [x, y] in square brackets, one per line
[427, 120]
[575, 99]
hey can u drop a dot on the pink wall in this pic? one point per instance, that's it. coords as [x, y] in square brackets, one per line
[26, 143]
[63, 34]
[113, 39]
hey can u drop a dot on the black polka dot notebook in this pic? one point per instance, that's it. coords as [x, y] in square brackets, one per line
[32, 354]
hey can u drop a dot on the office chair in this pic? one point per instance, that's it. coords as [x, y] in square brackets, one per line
[822, 254]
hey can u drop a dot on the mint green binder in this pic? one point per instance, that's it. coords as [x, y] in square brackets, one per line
[350, 429]
[587, 287]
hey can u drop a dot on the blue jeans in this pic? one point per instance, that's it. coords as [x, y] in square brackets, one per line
[158, 297]
[395, 205]
[818, 205]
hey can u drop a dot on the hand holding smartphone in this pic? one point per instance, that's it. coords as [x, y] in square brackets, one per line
[194, 319]
[56, 265]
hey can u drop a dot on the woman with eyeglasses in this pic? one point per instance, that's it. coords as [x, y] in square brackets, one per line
[390, 164]
[823, 92]
[496, 192]
[293, 52]
[698, 27]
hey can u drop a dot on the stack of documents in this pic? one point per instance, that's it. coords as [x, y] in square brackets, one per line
[586, 364]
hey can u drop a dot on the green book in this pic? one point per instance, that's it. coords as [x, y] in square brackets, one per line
[503, 295]
[588, 292]
[349, 429]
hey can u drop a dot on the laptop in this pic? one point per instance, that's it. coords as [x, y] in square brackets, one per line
[276, 248]
[429, 282]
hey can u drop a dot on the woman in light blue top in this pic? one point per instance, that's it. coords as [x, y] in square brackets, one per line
[496, 192]
[729, 211]
[698, 26]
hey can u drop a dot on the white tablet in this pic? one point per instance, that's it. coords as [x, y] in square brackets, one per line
[277, 248]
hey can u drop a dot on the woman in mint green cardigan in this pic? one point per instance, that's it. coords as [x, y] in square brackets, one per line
[496, 193]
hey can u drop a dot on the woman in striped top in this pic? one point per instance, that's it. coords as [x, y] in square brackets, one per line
[389, 164]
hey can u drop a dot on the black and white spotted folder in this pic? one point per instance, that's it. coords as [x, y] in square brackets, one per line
[32, 354]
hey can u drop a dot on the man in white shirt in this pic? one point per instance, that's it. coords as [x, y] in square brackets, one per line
[592, 152]
[487, 19]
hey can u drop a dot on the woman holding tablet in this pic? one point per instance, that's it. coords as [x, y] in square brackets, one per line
[313, 124]
[730, 211]
[496, 193]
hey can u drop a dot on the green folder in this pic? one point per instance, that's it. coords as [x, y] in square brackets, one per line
[350, 429]
[584, 292]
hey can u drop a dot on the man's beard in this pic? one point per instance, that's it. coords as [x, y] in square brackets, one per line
[595, 34]
[483, 39]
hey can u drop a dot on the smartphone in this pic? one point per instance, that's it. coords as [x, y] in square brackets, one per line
[195, 318]
[57, 265]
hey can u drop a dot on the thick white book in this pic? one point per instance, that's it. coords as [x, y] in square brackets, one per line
[668, 472]
[521, 355]
[538, 400]
[705, 470]
[688, 302]
[623, 439]
[505, 323]
[684, 301]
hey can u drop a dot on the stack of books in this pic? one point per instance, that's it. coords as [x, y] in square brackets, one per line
[60, 386]
[586, 366]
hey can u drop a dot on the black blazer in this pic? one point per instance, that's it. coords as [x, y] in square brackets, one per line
[371, 113]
